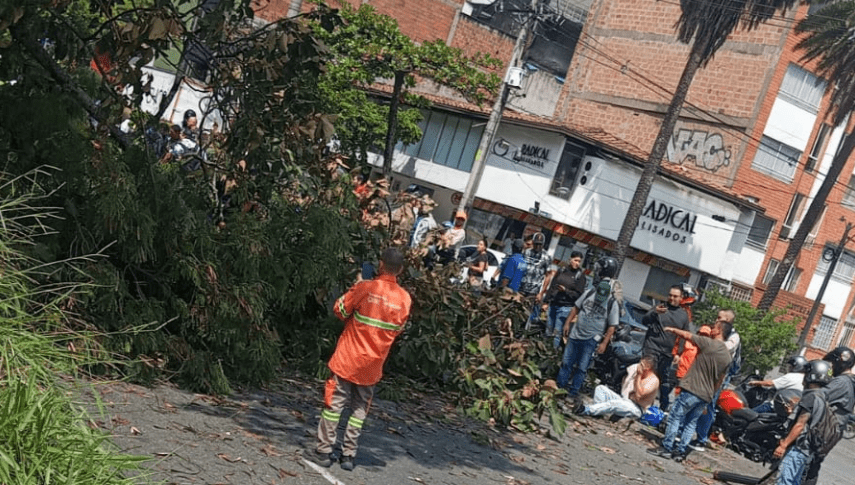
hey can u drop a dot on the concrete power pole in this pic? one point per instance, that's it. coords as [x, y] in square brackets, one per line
[818, 299]
[495, 115]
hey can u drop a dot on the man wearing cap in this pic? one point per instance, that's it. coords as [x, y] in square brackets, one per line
[454, 236]
[374, 313]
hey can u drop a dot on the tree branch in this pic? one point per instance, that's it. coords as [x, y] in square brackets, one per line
[85, 101]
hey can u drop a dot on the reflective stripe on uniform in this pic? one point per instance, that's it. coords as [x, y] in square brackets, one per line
[330, 416]
[375, 323]
[341, 308]
[355, 423]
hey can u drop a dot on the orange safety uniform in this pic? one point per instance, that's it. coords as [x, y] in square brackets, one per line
[374, 313]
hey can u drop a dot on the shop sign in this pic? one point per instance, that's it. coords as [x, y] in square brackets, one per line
[533, 155]
[668, 221]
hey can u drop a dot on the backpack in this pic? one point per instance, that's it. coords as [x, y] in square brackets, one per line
[736, 363]
[824, 430]
[617, 296]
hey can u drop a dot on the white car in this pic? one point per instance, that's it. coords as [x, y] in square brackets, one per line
[467, 253]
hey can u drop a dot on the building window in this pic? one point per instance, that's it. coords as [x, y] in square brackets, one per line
[568, 168]
[740, 293]
[849, 193]
[802, 88]
[824, 332]
[794, 216]
[657, 285]
[818, 148]
[566, 245]
[760, 230]
[848, 331]
[845, 268]
[447, 139]
[776, 159]
[790, 282]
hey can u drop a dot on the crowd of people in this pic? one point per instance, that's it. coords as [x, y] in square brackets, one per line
[580, 317]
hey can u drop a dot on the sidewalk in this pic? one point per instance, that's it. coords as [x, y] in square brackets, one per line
[256, 437]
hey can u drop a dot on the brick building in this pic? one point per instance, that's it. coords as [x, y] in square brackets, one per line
[745, 159]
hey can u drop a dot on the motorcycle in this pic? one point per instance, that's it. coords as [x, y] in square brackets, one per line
[751, 434]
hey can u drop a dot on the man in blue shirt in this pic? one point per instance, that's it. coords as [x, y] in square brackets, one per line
[512, 269]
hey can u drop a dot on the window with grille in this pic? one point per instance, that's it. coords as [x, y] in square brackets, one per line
[824, 332]
[794, 216]
[776, 159]
[845, 268]
[818, 148]
[740, 293]
[848, 331]
[447, 139]
[802, 88]
[758, 235]
[849, 193]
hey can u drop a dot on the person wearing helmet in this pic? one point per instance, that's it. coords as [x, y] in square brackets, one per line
[597, 319]
[795, 448]
[840, 394]
[659, 344]
[791, 380]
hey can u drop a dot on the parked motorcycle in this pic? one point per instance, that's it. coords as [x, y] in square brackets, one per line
[754, 435]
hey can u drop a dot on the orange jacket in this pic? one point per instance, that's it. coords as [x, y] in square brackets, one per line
[374, 313]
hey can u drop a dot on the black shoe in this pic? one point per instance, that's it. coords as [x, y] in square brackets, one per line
[678, 457]
[660, 452]
[579, 409]
[346, 463]
[323, 459]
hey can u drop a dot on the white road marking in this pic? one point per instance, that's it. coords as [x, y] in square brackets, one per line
[324, 473]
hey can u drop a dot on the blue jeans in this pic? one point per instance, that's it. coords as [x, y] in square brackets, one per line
[576, 360]
[706, 421]
[685, 411]
[766, 407]
[792, 467]
[555, 322]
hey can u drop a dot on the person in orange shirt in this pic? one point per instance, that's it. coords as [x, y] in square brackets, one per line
[374, 313]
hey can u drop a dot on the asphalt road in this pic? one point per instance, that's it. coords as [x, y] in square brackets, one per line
[256, 437]
[839, 468]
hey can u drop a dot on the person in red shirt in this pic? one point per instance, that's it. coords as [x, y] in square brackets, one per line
[374, 313]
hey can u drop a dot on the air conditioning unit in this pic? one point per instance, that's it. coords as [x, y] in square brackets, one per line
[515, 77]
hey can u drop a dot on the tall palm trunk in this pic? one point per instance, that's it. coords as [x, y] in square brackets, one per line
[811, 216]
[392, 123]
[651, 167]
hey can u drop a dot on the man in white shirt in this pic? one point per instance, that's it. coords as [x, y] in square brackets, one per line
[794, 379]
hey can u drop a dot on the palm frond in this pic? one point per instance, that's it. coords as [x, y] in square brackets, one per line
[830, 39]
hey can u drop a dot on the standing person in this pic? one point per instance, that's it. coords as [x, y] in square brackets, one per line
[508, 243]
[478, 265]
[189, 125]
[566, 287]
[637, 393]
[374, 313]
[659, 344]
[424, 222]
[598, 316]
[793, 379]
[512, 269]
[840, 395]
[537, 275]
[698, 387]
[733, 342]
[797, 448]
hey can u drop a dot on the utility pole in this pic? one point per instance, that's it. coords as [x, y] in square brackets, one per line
[818, 300]
[495, 116]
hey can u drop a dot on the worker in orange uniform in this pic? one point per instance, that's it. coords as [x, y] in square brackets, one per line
[374, 313]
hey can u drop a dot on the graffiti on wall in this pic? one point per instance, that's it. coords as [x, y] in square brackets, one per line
[699, 147]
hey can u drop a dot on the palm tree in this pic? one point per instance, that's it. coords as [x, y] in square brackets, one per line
[705, 24]
[830, 38]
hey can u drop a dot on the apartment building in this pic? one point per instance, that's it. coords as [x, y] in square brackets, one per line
[744, 161]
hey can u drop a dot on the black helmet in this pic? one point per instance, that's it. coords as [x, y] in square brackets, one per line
[538, 238]
[797, 363]
[818, 372]
[606, 267]
[841, 358]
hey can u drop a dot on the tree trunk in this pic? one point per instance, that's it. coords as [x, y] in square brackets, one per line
[811, 216]
[651, 167]
[392, 124]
